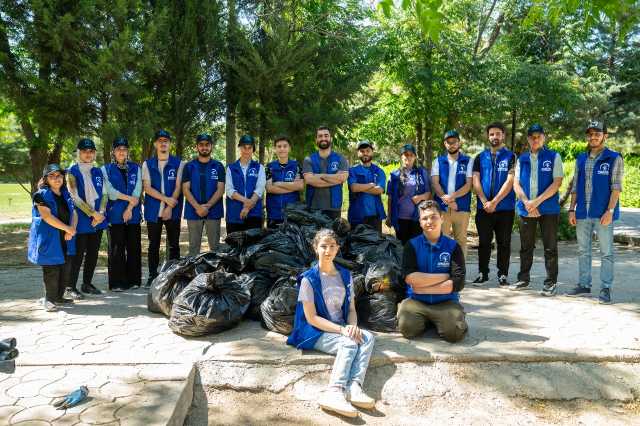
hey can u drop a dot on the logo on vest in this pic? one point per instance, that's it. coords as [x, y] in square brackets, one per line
[289, 176]
[98, 181]
[333, 167]
[172, 174]
[214, 174]
[462, 169]
[604, 169]
[252, 172]
[503, 166]
[133, 180]
[444, 261]
[546, 166]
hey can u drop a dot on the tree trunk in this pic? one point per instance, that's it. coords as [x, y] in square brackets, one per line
[262, 142]
[104, 118]
[230, 88]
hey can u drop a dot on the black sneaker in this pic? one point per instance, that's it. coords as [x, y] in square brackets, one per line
[63, 301]
[519, 285]
[605, 296]
[549, 289]
[480, 279]
[502, 281]
[89, 289]
[579, 291]
[72, 293]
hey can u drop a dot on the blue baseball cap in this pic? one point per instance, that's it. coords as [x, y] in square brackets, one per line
[364, 144]
[597, 125]
[247, 140]
[204, 137]
[162, 134]
[535, 128]
[451, 134]
[120, 141]
[408, 148]
[86, 143]
[52, 168]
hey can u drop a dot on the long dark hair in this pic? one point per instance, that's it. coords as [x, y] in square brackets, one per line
[43, 183]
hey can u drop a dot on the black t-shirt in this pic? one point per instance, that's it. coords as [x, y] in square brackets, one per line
[269, 175]
[476, 168]
[202, 174]
[63, 212]
[125, 179]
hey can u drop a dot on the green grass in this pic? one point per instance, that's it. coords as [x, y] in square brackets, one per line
[15, 202]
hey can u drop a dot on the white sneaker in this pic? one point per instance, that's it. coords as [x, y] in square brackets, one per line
[334, 400]
[358, 398]
[48, 306]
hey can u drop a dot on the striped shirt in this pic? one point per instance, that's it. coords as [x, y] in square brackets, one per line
[616, 176]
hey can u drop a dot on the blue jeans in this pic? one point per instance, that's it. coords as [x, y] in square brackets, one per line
[352, 359]
[584, 231]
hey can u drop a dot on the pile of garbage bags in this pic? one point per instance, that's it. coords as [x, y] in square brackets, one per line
[255, 277]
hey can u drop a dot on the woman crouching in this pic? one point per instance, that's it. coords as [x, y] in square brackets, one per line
[326, 321]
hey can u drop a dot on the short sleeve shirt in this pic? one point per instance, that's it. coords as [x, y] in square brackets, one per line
[533, 179]
[322, 196]
[451, 181]
[333, 291]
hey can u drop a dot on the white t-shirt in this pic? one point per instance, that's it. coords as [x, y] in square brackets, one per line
[333, 291]
[451, 179]
[161, 164]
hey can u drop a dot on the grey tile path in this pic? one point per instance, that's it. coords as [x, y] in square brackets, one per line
[139, 372]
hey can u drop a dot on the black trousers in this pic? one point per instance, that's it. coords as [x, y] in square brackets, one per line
[154, 232]
[125, 255]
[499, 224]
[56, 278]
[373, 221]
[407, 229]
[87, 246]
[249, 223]
[549, 227]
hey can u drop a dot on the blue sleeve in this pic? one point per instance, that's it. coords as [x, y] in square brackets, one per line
[352, 176]
[382, 179]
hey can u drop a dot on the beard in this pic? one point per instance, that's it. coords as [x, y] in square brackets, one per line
[204, 154]
[495, 142]
[365, 159]
[453, 151]
[324, 144]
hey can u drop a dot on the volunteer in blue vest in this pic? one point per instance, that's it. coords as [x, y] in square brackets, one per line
[124, 214]
[86, 185]
[203, 187]
[433, 268]
[324, 173]
[245, 186]
[51, 237]
[451, 176]
[326, 320]
[408, 186]
[366, 186]
[594, 207]
[537, 179]
[162, 183]
[284, 182]
[493, 171]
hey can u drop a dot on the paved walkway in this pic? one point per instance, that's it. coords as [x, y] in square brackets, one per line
[139, 372]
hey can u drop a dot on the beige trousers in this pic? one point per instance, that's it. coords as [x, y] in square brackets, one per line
[455, 225]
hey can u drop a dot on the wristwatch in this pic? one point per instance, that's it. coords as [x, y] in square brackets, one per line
[612, 210]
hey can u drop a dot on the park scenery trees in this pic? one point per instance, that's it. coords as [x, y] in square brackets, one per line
[389, 71]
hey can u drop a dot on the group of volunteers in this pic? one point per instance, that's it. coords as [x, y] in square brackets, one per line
[429, 212]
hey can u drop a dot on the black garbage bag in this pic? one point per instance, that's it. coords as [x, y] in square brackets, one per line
[245, 238]
[377, 311]
[260, 284]
[278, 264]
[298, 242]
[358, 285]
[382, 276]
[341, 226]
[278, 310]
[298, 213]
[211, 303]
[173, 277]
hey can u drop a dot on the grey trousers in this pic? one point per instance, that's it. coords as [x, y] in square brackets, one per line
[195, 234]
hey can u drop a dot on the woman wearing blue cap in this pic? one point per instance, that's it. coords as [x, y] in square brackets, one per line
[407, 187]
[51, 237]
[124, 185]
[85, 182]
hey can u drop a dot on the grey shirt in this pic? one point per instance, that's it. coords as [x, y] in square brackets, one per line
[333, 291]
[322, 196]
[533, 179]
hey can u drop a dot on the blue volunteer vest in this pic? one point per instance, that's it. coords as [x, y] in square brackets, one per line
[277, 202]
[333, 165]
[600, 186]
[169, 176]
[84, 221]
[357, 199]
[244, 188]
[116, 208]
[501, 173]
[464, 202]
[45, 247]
[304, 335]
[546, 157]
[433, 259]
[214, 168]
[393, 191]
